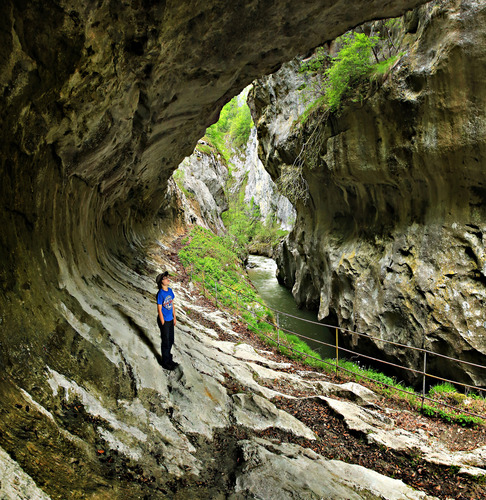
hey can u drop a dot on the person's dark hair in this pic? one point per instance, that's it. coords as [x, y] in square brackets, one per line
[160, 277]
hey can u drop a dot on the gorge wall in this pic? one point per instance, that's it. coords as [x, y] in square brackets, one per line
[202, 178]
[391, 242]
[100, 102]
[261, 189]
[206, 186]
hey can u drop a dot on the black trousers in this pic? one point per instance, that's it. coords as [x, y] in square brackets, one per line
[167, 338]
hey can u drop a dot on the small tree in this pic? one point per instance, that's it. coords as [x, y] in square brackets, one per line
[348, 68]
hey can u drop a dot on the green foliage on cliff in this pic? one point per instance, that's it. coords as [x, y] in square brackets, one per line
[268, 235]
[347, 69]
[241, 222]
[361, 57]
[340, 75]
[317, 63]
[348, 77]
[178, 177]
[232, 129]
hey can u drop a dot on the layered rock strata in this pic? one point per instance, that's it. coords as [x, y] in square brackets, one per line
[172, 439]
[391, 241]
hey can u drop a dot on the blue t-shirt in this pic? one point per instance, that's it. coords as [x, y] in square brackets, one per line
[165, 299]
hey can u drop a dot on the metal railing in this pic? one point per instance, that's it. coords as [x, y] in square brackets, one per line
[337, 348]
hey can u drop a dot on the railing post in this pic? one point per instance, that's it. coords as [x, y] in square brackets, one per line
[337, 352]
[423, 379]
[204, 283]
[278, 331]
[216, 288]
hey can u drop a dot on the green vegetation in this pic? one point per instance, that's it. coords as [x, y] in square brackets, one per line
[241, 222]
[447, 394]
[246, 233]
[206, 148]
[232, 129]
[345, 77]
[442, 389]
[340, 77]
[178, 176]
[347, 69]
[362, 62]
[211, 259]
[268, 235]
[382, 67]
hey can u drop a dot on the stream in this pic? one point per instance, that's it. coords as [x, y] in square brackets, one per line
[278, 297]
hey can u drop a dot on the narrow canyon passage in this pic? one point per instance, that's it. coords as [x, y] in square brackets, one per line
[100, 102]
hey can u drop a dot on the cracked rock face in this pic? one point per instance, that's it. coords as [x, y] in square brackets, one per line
[391, 243]
[100, 102]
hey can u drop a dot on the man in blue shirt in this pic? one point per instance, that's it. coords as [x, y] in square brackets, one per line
[166, 319]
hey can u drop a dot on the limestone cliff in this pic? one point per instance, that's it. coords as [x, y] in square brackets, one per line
[260, 188]
[206, 186]
[100, 102]
[391, 241]
[202, 178]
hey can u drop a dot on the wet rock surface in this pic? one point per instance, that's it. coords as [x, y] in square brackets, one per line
[391, 241]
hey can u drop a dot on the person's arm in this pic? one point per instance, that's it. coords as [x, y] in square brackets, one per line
[173, 312]
[161, 316]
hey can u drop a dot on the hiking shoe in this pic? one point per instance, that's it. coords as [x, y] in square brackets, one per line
[174, 365]
[168, 366]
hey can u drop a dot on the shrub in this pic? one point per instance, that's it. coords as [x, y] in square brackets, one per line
[352, 62]
[340, 77]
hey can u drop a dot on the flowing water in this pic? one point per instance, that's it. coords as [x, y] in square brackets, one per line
[278, 297]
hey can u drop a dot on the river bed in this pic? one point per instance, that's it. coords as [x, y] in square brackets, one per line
[278, 297]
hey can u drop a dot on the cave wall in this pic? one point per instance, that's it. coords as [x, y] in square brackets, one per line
[391, 241]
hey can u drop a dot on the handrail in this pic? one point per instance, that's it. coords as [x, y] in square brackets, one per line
[423, 372]
[464, 411]
[413, 348]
